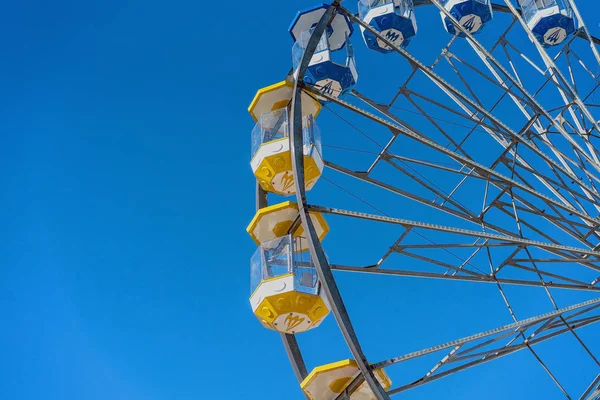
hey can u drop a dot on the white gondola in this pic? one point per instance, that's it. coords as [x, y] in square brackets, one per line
[286, 293]
[271, 155]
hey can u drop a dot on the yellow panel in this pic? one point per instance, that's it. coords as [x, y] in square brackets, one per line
[384, 379]
[275, 174]
[266, 211]
[304, 305]
[323, 222]
[277, 96]
[326, 368]
[327, 381]
[282, 228]
[325, 376]
[265, 90]
[340, 384]
[280, 104]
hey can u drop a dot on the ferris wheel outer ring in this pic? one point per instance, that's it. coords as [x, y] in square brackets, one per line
[317, 253]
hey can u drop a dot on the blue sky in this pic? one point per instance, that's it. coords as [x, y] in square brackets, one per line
[126, 191]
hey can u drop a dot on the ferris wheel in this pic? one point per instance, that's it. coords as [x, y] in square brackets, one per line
[470, 156]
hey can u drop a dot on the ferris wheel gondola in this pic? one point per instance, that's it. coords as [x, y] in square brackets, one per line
[331, 69]
[551, 21]
[394, 19]
[472, 15]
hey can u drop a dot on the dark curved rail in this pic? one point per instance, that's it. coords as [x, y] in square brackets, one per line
[322, 267]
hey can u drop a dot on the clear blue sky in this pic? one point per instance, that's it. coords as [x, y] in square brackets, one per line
[125, 193]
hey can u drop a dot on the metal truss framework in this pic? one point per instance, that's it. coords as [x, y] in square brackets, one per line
[545, 174]
[490, 345]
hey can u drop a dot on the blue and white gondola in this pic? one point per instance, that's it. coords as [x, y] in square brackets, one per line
[472, 15]
[329, 70]
[550, 21]
[393, 19]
